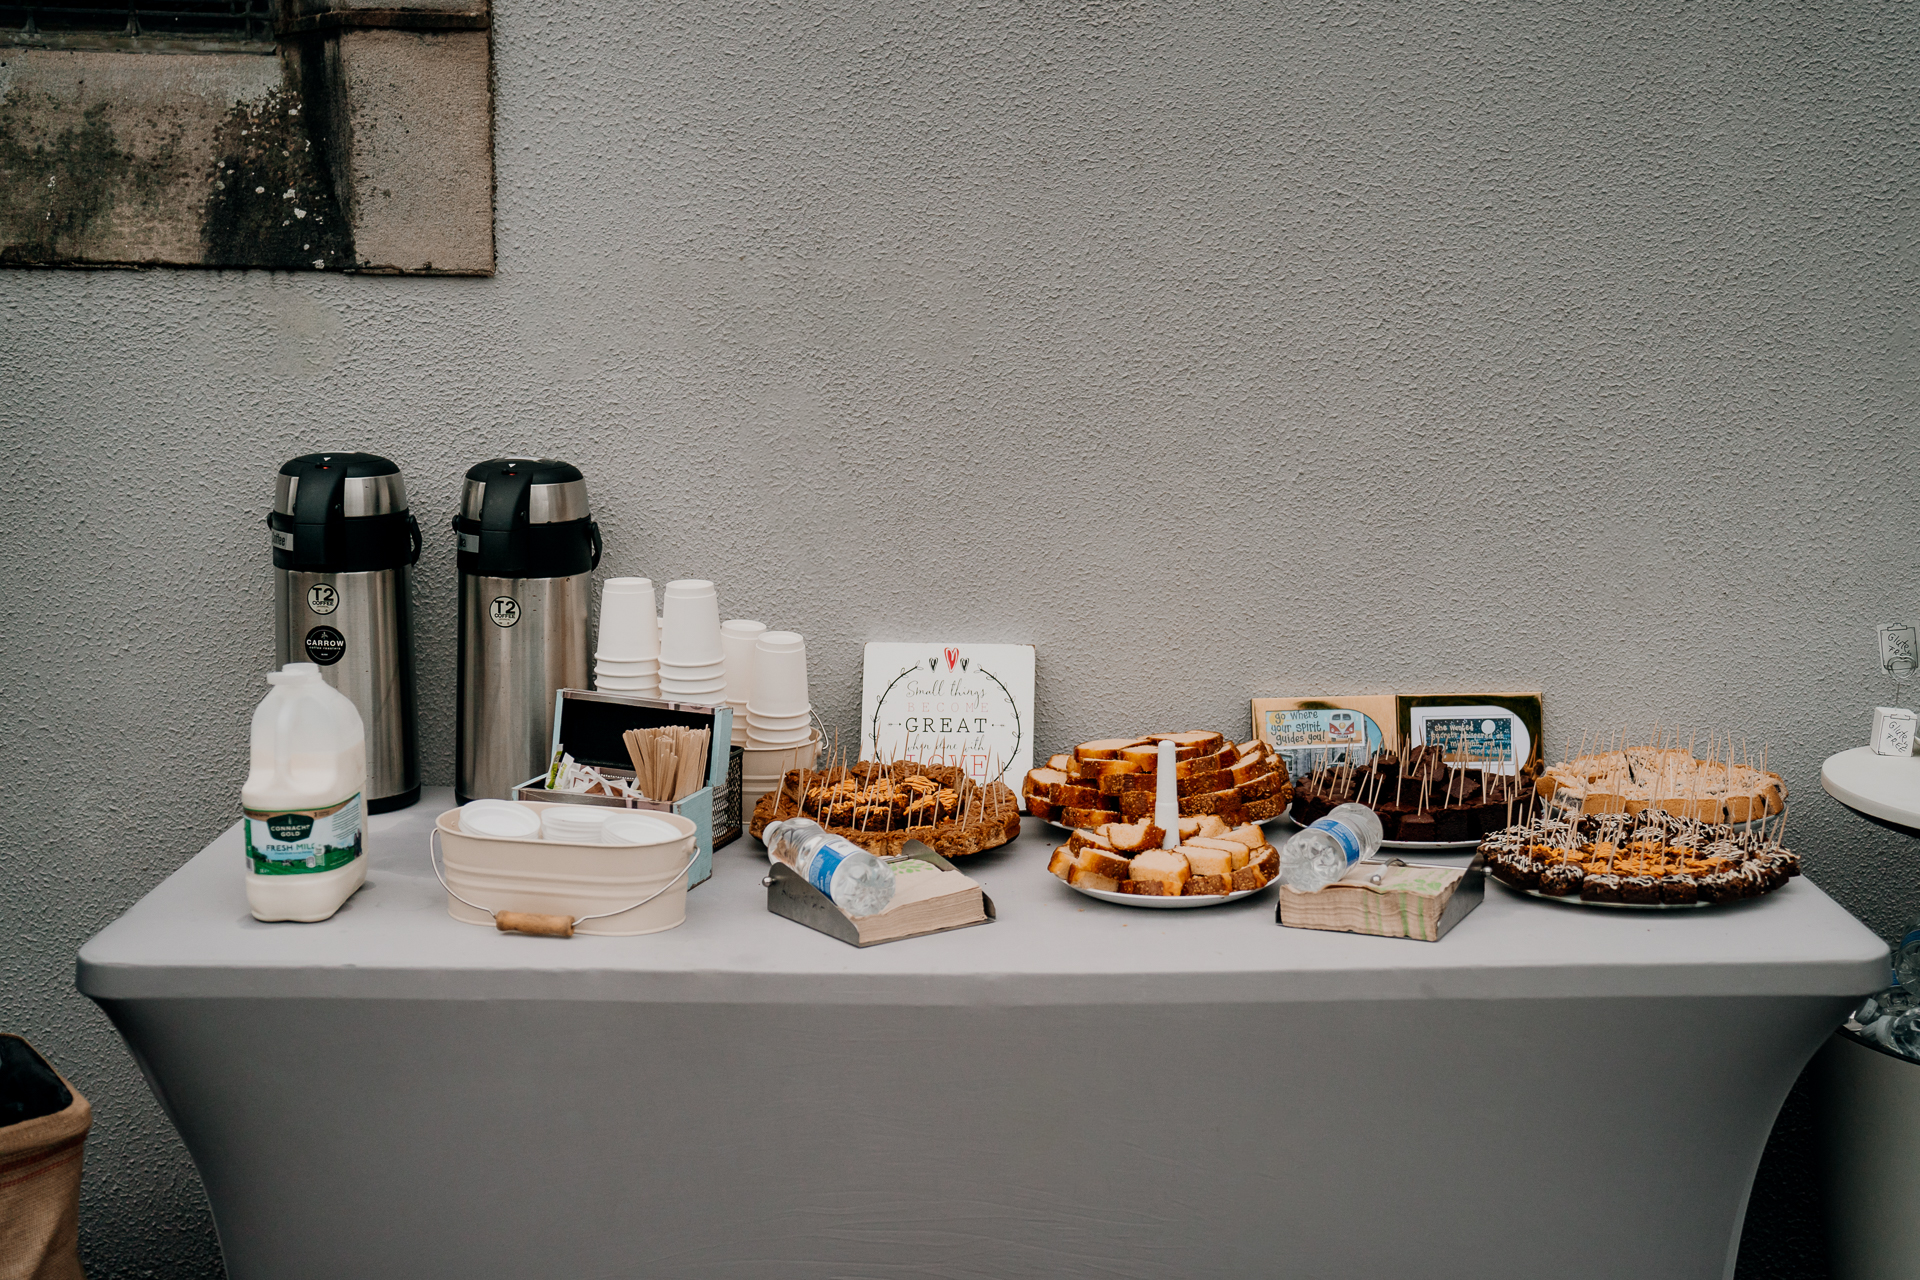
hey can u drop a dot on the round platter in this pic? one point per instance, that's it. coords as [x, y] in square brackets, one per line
[1283, 816]
[1577, 901]
[1170, 904]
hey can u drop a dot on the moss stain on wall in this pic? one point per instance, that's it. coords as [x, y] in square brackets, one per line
[60, 185]
[270, 202]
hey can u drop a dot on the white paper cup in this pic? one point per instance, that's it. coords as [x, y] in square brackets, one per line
[737, 637]
[614, 667]
[645, 686]
[777, 737]
[779, 675]
[628, 629]
[690, 624]
[769, 762]
[708, 689]
[694, 671]
[800, 721]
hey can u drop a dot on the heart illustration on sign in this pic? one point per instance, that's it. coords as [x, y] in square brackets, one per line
[953, 658]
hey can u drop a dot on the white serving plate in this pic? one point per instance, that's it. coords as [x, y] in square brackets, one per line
[1575, 900]
[1279, 817]
[1169, 904]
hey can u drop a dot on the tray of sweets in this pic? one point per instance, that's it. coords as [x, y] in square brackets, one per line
[1722, 786]
[1116, 780]
[882, 807]
[1425, 802]
[1649, 859]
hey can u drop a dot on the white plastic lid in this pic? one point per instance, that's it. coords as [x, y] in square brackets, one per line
[639, 828]
[502, 819]
[295, 672]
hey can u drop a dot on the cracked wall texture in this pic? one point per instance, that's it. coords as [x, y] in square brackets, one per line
[1216, 350]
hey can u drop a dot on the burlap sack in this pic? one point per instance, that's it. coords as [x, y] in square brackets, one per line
[40, 1193]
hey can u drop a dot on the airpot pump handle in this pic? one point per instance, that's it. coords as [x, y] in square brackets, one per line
[593, 531]
[320, 500]
[413, 537]
[504, 510]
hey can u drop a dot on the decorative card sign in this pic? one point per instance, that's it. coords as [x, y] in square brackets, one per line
[1500, 731]
[966, 705]
[1899, 653]
[1361, 722]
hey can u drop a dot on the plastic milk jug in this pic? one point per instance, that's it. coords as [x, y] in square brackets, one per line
[304, 844]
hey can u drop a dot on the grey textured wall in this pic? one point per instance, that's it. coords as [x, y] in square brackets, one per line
[1216, 350]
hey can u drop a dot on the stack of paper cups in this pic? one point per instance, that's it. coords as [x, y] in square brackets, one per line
[627, 659]
[693, 664]
[762, 768]
[737, 638]
[779, 712]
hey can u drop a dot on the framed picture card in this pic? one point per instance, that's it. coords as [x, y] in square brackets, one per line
[965, 705]
[1497, 731]
[1362, 723]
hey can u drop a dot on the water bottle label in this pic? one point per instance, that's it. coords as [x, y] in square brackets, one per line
[826, 861]
[1908, 941]
[1343, 835]
[299, 842]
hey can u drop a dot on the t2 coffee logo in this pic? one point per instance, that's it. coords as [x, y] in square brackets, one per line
[322, 598]
[505, 611]
[326, 646]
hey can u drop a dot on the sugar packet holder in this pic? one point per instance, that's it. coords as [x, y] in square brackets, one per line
[588, 725]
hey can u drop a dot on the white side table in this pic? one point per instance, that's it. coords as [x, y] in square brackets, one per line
[1886, 788]
[1869, 1097]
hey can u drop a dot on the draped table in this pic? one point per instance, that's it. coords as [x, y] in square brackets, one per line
[1079, 1089]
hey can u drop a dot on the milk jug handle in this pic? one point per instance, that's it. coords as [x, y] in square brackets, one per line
[283, 737]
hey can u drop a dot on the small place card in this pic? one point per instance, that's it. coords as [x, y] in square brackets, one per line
[1892, 731]
[1899, 650]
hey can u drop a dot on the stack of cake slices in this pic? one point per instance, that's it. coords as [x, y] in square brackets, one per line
[1114, 780]
[1212, 859]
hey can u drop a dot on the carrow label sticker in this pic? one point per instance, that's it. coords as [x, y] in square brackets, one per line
[291, 842]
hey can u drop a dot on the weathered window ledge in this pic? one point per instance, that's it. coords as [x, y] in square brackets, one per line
[362, 142]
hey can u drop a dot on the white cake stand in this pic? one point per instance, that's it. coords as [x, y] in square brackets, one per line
[1885, 788]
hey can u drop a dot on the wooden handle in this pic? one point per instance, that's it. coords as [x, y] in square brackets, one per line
[529, 922]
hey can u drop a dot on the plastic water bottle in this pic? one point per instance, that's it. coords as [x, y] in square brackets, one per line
[1906, 957]
[859, 883]
[1903, 1033]
[1316, 857]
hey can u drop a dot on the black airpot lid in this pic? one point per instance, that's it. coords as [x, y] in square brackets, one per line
[341, 513]
[525, 518]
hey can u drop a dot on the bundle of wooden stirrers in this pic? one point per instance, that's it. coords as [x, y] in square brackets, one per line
[669, 763]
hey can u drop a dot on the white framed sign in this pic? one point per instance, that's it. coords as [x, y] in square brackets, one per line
[965, 705]
[1492, 737]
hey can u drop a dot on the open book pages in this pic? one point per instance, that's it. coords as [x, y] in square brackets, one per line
[925, 900]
